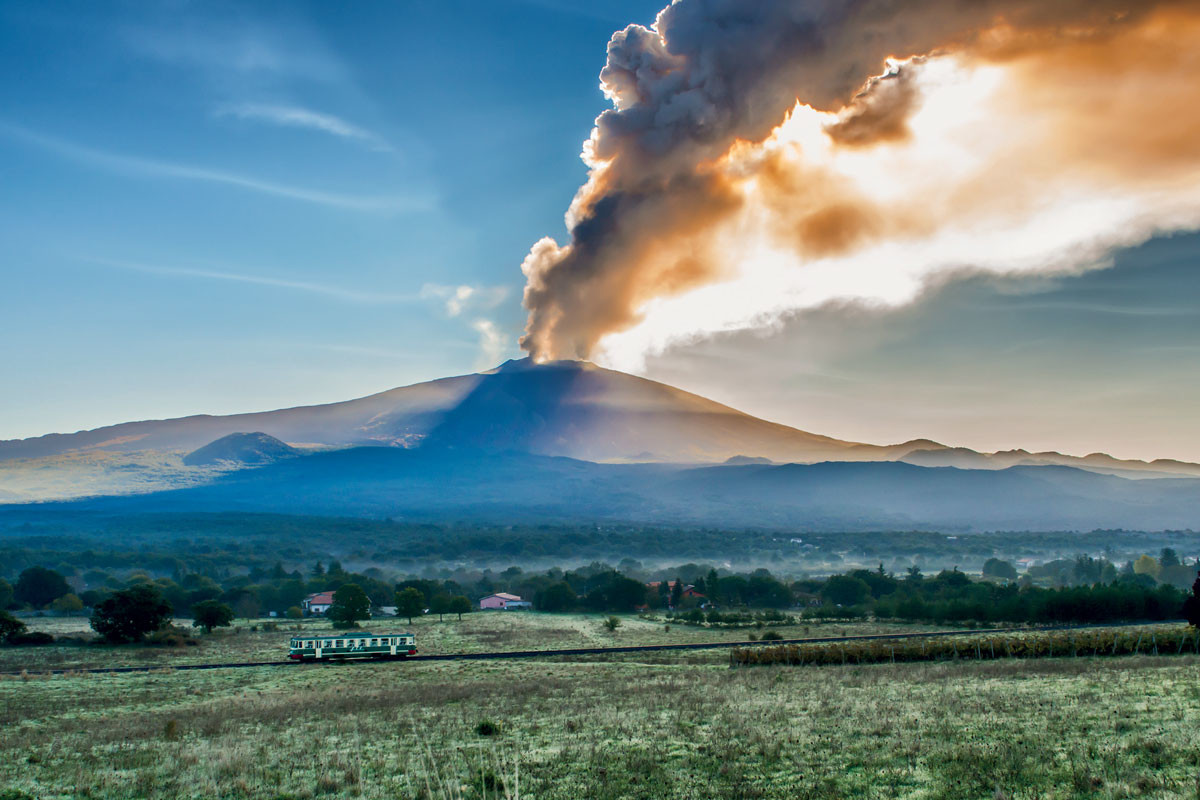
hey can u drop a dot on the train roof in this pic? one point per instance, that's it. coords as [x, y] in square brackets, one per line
[354, 635]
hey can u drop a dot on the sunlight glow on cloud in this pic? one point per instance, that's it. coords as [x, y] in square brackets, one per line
[1006, 138]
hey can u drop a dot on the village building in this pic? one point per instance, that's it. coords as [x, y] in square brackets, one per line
[688, 590]
[317, 604]
[503, 601]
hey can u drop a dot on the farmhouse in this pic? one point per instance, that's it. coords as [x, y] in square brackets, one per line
[687, 590]
[318, 603]
[504, 602]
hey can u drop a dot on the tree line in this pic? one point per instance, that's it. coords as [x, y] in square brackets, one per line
[142, 604]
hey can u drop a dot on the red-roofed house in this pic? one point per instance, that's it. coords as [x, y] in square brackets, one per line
[317, 603]
[504, 602]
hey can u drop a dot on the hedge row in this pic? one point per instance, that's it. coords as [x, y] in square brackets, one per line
[1104, 642]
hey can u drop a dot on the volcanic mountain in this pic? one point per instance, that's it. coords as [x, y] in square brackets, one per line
[566, 408]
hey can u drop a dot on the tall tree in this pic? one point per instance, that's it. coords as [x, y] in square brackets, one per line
[350, 604]
[459, 605]
[1191, 605]
[556, 597]
[128, 615]
[409, 603]
[39, 587]
[1146, 565]
[209, 614]
[440, 605]
[997, 568]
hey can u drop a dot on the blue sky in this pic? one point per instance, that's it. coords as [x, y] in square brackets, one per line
[219, 207]
[211, 208]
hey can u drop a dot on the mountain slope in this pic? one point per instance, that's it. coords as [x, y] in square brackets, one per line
[564, 408]
[396, 416]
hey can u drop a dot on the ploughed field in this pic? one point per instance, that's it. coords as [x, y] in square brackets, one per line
[657, 725]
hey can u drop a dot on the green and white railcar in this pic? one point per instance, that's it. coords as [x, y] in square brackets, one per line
[352, 645]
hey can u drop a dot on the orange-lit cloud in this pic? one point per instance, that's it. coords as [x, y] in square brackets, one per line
[762, 159]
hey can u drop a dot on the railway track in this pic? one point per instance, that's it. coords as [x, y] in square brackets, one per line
[575, 651]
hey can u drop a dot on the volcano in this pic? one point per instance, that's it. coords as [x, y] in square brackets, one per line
[564, 408]
[571, 409]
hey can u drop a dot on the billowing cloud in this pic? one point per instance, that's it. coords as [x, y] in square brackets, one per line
[762, 159]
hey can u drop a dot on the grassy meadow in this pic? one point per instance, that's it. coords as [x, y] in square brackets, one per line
[681, 725]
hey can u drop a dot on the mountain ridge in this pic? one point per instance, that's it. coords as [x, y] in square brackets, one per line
[500, 487]
[566, 408]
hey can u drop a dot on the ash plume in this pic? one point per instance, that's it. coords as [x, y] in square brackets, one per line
[762, 158]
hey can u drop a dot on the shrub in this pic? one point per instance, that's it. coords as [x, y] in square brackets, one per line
[33, 638]
[67, 604]
[612, 623]
[772, 636]
[172, 637]
[10, 626]
[488, 727]
[294, 612]
[15, 794]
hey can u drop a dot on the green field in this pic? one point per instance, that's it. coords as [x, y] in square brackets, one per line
[680, 725]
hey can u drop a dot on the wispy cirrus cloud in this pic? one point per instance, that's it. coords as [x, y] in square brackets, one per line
[236, 50]
[336, 292]
[464, 298]
[297, 117]
[155, 168]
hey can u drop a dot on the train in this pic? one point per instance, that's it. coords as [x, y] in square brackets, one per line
[359, 644]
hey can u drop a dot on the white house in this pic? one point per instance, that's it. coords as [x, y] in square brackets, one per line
[318, 603]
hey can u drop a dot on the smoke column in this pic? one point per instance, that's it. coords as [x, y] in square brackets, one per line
[762, 158]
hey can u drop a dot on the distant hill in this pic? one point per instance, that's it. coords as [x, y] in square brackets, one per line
[248, 449]
[431, 484]
[741, 461]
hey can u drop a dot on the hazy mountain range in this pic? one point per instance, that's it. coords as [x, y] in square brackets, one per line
[569, 439]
